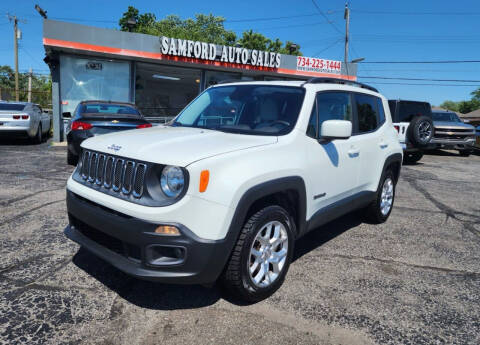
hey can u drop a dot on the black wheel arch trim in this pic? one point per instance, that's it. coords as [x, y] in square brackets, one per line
[394, 158]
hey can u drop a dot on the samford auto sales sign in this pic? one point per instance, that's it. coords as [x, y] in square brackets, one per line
[208, 51]
[253, 57]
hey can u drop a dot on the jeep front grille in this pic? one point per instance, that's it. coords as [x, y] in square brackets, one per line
[113, 173]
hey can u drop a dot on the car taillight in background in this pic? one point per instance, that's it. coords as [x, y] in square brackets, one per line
[16, 117]
[397, 128]
[80, 126]
[25, 117]
[145, 125]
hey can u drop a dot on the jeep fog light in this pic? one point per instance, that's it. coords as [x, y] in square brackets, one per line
[172, 181]
[168, 230]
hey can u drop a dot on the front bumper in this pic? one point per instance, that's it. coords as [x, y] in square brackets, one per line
[131, 245]
[457, 144]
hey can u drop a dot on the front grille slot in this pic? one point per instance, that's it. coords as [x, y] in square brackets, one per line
[100, 169]
[85, 164]
[139, 180]
[108, 172]
[92, 171]
[117, 175]
[127, 177]
[121, 175]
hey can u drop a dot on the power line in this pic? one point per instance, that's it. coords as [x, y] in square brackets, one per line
[269, 18]
[326, 18]
[426, 79]
[329, 46]
[409, 13]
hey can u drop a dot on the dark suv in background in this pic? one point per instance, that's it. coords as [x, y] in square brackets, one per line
[93, 118]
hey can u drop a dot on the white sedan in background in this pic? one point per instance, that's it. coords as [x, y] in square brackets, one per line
[22, 119]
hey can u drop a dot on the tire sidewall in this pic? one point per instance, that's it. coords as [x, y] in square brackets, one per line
[272, 213]
[414, 134]
[380, 215]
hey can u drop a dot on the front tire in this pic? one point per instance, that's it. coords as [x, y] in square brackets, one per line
[261, 256]
[464, 153]
[379, 210]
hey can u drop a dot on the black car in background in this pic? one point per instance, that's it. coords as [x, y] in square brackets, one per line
[100, 117]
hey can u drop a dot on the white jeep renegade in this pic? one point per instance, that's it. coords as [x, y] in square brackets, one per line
[241, 173]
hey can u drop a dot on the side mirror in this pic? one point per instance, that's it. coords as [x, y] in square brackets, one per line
[67, 114]
[336, 129]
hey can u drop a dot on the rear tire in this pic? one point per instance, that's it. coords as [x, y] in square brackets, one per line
[265, 244]
[71, 158]
[412, 157]
[464, 153]
[379, 210]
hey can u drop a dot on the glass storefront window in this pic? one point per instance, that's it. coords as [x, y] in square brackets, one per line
[214, 77]
[92, 79]
[162, 91]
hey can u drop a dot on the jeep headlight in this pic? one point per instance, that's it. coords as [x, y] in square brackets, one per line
[172, 181]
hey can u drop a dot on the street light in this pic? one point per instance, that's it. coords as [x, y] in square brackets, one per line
[292, 47]
[41, 11]
[131, 23]
[357, 60]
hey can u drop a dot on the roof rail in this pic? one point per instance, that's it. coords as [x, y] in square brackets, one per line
[339, 81]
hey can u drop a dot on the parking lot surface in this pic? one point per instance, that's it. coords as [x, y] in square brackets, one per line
[412, 280]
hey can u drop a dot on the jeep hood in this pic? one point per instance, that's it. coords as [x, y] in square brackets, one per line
[173, 145]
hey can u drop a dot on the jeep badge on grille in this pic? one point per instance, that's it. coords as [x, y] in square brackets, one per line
[114, 147]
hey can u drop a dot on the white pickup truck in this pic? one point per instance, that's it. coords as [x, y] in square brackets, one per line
[413, 122]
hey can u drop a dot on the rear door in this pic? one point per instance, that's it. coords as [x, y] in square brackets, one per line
[372, 138]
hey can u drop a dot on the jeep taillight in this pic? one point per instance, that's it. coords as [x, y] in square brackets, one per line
[80, 126]
[397, 128]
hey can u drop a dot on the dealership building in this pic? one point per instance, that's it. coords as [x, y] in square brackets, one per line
[161, 75]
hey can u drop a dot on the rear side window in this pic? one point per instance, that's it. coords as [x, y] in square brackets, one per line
[367, 113]
[334, 106]
[407, 110]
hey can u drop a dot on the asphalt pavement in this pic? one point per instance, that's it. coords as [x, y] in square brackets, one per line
[413, 280]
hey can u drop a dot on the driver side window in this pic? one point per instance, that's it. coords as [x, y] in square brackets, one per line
[334, 106]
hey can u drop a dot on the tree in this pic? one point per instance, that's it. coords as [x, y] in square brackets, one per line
[450, 105]
[204, 27]
[468, 106]
[41, 86]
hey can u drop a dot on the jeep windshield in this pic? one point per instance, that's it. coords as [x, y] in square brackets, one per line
[447, 117]
[245, 109]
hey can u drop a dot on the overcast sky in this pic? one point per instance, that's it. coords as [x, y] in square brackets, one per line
[380, 31]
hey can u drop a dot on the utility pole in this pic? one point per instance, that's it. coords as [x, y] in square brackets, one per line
[30, 85]
[346, 16]
[16, 37]
[15, 48]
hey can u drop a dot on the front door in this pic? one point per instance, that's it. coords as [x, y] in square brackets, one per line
[333, 165]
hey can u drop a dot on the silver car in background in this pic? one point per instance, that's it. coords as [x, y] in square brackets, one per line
[22, 119]
[451, 133]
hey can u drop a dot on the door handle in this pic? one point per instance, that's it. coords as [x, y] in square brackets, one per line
[353, 152]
